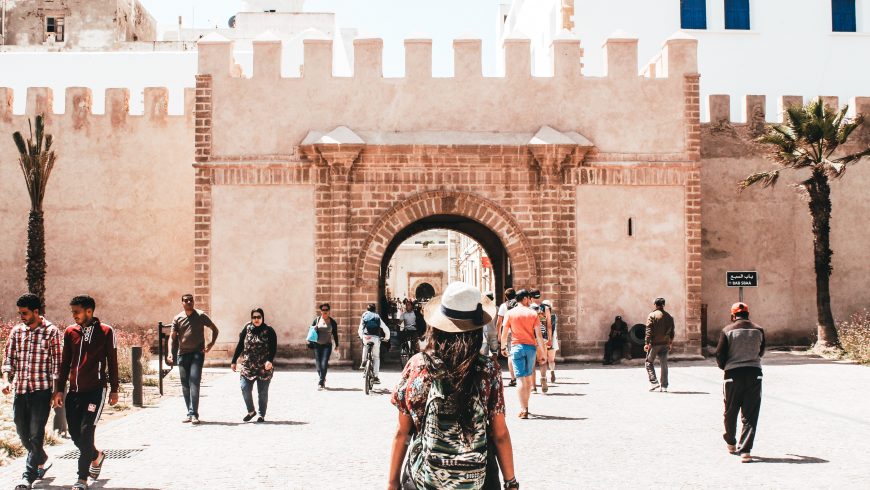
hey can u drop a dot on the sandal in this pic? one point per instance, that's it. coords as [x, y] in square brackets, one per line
[40, 472]
[94, 470]
[524, 414]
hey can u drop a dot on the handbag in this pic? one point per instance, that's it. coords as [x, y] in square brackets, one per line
[312, 334]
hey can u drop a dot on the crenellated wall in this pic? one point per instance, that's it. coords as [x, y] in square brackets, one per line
[607, 109]
[512, 153]
[770, 230]
[118, 208]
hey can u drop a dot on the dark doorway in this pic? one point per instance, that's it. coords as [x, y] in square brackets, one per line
[487, 239]
[424, 292]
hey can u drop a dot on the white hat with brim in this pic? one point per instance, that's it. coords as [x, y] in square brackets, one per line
[461, 308]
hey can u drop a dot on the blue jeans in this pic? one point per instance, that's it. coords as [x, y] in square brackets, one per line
[321, 360]
[262, 393]
[190, 371]
[30, 412]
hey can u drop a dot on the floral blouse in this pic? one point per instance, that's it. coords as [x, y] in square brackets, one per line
[412, 391]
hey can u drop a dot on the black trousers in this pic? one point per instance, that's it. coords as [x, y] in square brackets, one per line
[30, 412]
[610, 348]
[742, 393]
[83, 410]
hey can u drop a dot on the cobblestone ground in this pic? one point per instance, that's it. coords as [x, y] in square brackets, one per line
[597, 428]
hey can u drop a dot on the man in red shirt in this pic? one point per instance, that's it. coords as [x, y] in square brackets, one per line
[523, 325]
[32, 356]
[90, 362]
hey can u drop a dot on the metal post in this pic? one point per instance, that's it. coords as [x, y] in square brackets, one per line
[3, 22]
[741, 294]
[160, 357]
[136, 353]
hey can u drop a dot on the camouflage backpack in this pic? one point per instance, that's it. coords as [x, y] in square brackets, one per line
[440, 458]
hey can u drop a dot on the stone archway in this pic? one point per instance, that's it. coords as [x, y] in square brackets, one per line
[430, 203]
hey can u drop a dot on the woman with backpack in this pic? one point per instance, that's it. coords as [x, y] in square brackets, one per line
[451, 404]
[327, 334]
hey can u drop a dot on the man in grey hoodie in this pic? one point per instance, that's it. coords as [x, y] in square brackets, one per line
[741, 345]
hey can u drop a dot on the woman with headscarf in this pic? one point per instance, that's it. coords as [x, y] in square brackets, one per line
[451, 403]
[257, 344]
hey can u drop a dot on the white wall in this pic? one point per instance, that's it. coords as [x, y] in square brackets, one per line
[790, 49]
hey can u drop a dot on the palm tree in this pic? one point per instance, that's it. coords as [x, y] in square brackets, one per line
[807, 140]
[37, 160]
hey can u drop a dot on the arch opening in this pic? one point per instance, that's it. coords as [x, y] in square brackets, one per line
[495, 252]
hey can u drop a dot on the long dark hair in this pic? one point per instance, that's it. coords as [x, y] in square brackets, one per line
[455, 359]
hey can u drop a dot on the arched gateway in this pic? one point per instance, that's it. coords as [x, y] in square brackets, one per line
[306, 208]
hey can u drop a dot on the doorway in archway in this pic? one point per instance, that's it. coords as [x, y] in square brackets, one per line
[456, 248]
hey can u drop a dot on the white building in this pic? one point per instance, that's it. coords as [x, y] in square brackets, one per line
[420, 264]
[170, 63]
[791, 47]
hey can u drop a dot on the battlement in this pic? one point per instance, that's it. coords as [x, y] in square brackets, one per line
[754, 108]
[678, 57]
[78, 105]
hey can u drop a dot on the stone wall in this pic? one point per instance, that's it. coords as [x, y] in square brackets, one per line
[118, 208]
[769, 230]
[383, 154]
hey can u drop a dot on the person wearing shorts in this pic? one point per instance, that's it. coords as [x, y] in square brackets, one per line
[523, 326]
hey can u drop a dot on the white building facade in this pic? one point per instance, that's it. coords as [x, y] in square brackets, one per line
[745, 47]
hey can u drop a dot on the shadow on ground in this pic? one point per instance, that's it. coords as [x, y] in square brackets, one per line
[794, 459]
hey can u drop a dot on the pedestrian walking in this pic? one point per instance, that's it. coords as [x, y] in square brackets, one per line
[371, 330]
[451, 399]
[547, 334]
[31, 358]
[89, 362]
[738, 353]
[616, 340]
[508, 303]
[188, 334]
[327, 335]
[408, 330]
[257, 346]
[490, 345]
[658, 339]
[553, 346]
[526, 346]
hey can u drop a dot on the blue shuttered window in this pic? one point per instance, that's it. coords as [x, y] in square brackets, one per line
[693, 14]
[737, 14]
[843, 15]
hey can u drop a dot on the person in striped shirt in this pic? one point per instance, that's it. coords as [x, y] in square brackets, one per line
[31, 359]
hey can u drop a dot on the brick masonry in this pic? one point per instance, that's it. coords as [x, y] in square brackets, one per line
[366, 194]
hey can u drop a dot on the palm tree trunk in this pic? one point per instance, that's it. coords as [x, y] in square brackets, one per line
[820, 210]
[36, 255]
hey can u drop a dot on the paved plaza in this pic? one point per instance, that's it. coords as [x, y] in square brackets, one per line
[597, 428]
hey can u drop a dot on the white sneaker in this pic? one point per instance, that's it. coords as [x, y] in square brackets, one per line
[654, 386]
[24, 485]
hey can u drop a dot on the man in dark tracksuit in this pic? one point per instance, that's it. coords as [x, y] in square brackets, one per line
[90, 363]
[741, 345]
[658, 337]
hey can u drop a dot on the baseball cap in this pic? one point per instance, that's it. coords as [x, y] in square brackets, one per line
[739, 308]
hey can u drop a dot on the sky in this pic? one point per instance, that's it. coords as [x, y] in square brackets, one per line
[392, 20]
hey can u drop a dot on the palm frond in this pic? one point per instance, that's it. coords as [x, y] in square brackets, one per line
[766, 179]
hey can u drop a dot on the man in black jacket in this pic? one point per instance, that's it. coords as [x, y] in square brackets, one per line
[741, 345]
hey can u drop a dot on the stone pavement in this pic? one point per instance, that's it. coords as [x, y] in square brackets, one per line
[597, 428]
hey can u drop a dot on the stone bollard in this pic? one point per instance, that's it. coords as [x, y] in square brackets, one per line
[136, 353]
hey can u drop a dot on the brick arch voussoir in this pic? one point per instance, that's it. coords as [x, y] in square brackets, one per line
[429, 203]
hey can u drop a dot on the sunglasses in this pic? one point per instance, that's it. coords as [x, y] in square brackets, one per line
[256, 317]
[187, 300]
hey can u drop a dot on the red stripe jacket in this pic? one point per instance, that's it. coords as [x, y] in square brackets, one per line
[90, 358]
